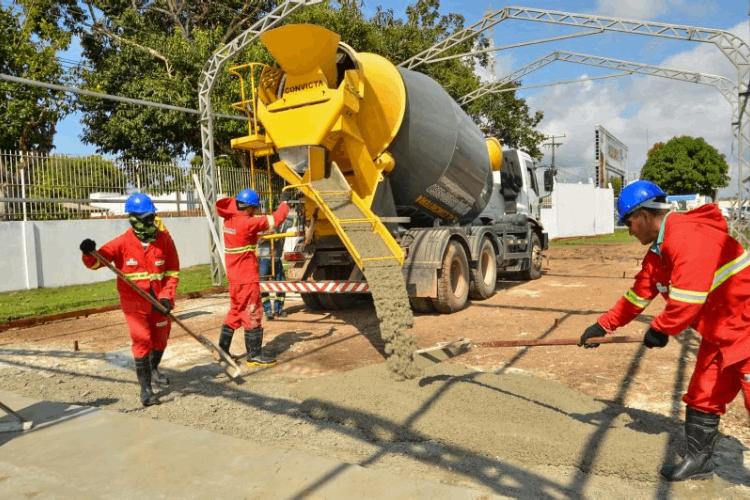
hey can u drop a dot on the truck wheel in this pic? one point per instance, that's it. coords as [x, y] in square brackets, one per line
[534, 272]
[421, 304]
[311, 301]
[453, 285]
[484, 277]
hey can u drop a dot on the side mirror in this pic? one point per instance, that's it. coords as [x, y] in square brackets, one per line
[549, 180]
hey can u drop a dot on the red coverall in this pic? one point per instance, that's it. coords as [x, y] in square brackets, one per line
[155, 269]
[703, 274]
[240, 241]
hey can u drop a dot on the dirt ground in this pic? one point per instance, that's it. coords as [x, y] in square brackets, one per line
[549, 422]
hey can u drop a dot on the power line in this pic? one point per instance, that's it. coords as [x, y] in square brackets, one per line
[99, 95]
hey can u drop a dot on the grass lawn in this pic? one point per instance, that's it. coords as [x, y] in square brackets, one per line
[24, 303]
[618, 237]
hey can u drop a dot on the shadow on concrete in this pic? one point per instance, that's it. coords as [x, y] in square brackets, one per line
[284, 341]
[192, 314]
[495, 474]
[45, 414]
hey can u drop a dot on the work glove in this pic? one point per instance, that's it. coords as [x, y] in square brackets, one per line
[594, 330]
[286, 195]
[654, 338]
[87, 246]
[166, 304]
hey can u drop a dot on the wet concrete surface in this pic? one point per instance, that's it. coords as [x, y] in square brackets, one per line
[85, 452]
[322, 400]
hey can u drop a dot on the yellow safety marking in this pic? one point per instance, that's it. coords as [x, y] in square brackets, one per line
[236, 250]
[689, 296]
[138, 276]
[636, 299]
[730, 269]
[172, 274]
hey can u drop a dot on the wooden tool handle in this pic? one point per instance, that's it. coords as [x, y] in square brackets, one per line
[622, 339]
[217, 353]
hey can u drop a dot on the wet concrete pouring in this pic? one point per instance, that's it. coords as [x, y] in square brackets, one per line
[384, 279]
[540, 422]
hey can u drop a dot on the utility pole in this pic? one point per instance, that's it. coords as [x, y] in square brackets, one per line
[553, 144]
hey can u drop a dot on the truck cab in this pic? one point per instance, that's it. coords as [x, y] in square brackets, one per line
[515, 188]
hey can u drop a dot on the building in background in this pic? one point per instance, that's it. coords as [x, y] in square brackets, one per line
[684, 202]
[611, 159]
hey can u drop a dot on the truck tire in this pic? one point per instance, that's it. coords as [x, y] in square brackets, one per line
[453, 284]
[311, 301]
[534, 272]
[484, 276]
[421, 304]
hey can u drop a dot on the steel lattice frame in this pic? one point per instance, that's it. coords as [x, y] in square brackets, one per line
[205, 87]
[724, 85]
[733, 48]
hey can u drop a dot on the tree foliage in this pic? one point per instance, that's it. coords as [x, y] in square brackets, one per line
[156, 51]
[31, 34]
[686, 165]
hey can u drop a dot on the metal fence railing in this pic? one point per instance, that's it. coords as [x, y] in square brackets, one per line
[36, 186]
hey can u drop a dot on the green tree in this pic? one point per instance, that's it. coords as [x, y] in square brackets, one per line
[156, 51]
[616, 185]
[31, 34]
[72, 178]
[686, 165]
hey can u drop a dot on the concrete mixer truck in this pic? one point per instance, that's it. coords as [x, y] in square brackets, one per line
[388, 167]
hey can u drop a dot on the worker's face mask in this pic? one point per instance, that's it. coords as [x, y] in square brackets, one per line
[143, 227]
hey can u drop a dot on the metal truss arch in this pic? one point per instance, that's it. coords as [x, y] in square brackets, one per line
[205, 87]
[724, 85]
[733, 47]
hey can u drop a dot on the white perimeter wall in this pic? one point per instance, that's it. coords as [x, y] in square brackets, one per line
[45, 253]
[579, 210]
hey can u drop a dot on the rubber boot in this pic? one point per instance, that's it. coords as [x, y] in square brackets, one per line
[225, 338]
[253, 343]
[267, 308]
[156, 375]
[143, 371]
[701, 434]
[279, 309]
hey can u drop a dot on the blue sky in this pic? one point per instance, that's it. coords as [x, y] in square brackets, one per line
[638, 109]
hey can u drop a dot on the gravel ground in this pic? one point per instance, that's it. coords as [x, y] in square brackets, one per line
[536, 423]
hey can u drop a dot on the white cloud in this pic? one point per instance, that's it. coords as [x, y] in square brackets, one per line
[634, 107]
[502, 64]
[634, 9]
[649, 9]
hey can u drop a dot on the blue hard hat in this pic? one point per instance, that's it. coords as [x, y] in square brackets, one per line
[634, 195]
[139, 204]
[248, 197]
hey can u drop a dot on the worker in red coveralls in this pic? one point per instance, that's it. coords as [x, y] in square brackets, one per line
[241, 228]
[147, 256]
[704, 276]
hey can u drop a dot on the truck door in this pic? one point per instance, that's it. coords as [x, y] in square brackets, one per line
[531, 189]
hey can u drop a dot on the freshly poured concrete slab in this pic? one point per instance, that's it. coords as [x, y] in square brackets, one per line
[85, 452]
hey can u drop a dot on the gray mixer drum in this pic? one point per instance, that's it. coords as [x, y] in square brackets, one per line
[442, 165]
